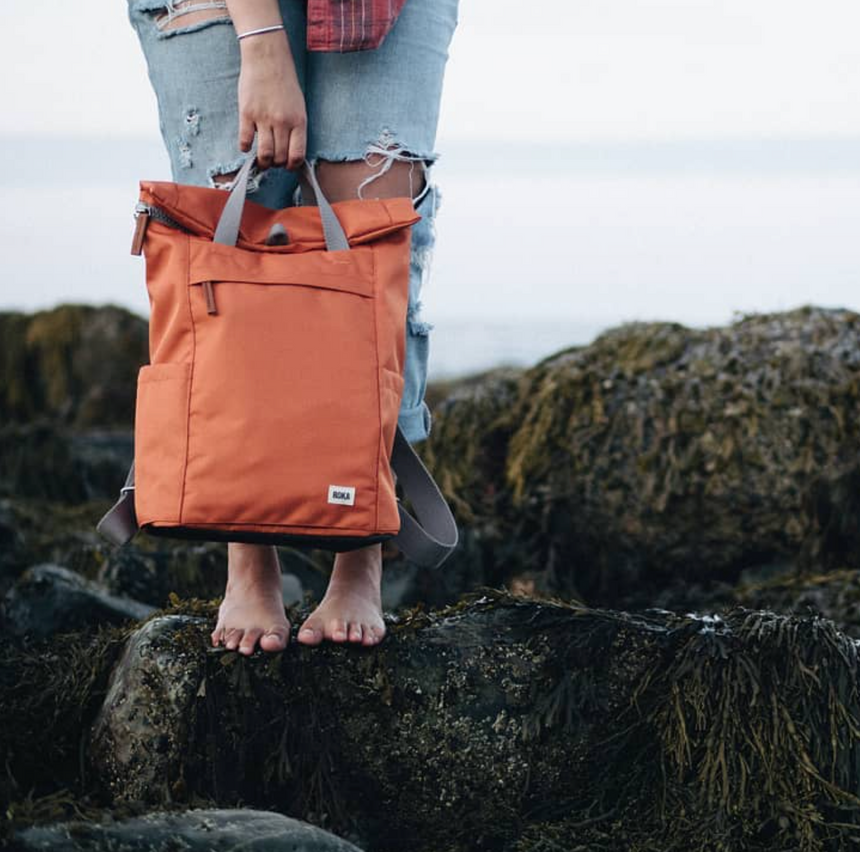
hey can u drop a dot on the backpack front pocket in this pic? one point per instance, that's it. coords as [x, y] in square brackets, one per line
[284, 417]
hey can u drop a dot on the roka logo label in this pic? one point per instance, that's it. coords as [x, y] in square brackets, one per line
[343, 494]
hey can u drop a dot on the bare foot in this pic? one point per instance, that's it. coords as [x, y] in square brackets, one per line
[253, 605]
[351, 608]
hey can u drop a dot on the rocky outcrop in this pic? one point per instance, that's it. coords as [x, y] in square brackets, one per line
[194, 830]
[662, 454]
[75, 365]
[50, 599]
[656, 455]
[500, 723]
[45, 461]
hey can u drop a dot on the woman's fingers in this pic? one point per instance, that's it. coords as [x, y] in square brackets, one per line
[265, 146]
[246, 131]
[298, 147]
[277, 145]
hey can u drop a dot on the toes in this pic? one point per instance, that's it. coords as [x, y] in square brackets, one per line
[217, 636]
[310, 634]
[337, 630]
[249, 639]
[233, 637]
[275, 639]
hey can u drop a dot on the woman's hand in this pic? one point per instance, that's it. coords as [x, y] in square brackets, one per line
[271, 101]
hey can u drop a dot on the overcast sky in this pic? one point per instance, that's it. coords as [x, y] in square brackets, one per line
[600, 162]
[548, 70]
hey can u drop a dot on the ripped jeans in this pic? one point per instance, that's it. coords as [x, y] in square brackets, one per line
[376, 105]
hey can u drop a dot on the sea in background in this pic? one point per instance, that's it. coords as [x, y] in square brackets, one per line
[539, 246]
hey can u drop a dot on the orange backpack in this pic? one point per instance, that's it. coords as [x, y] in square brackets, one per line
[269, 410]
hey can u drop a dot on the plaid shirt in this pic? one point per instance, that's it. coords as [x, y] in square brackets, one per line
[347, 25]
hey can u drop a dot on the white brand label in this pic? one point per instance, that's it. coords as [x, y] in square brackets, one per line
[344, 494]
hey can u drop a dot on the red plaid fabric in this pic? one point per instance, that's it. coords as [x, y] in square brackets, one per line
[347, 25]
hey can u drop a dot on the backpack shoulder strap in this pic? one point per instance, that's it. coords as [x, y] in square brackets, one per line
[119, 523]
[429, 540]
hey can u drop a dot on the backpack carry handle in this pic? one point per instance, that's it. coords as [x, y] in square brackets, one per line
[227, 231]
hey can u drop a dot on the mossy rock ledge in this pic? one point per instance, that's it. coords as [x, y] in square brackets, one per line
[500, 723]
[660, 454]
[73, 364]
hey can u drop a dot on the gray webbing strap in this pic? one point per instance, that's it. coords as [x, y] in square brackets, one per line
[227, 230]
[335, 238]
[427, 542]
[119, 524]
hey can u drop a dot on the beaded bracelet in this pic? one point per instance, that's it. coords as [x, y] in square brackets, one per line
[263, 30]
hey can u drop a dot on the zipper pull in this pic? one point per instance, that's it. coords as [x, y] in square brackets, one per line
[141, 221]
[210, 298]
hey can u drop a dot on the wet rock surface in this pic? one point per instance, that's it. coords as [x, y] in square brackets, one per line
[495, 723]
[196, 830]
[50, 599]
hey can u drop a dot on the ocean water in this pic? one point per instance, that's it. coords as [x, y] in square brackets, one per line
[539, 247]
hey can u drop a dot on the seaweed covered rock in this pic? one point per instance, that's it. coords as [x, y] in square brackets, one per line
[660, 453]
[194, 830]
[147, 570]
[143, 723]
[466, 453]
[36, 531]
[150, 568]
[51, 690]
[42, 460]
[74, 364]
[50, 599]
[834, 594]
[511, 724]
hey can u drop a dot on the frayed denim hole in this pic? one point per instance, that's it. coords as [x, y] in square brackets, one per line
[417, 325]
[191, 127]
[388, 148]
[424, 231]
[255, 176]
[420, 260]
[423, 245]
[164, 13]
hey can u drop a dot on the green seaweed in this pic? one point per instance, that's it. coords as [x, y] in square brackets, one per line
[635, 731]
[660, 453]
[76, 364]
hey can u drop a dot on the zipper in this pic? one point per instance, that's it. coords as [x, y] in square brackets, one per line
[210, 297]
[142, 214]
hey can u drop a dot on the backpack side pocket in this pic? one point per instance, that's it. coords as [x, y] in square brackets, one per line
[161, 441]
[391, 393]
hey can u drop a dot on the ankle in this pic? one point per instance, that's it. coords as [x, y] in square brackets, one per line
[251, 564]
[364, 564]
